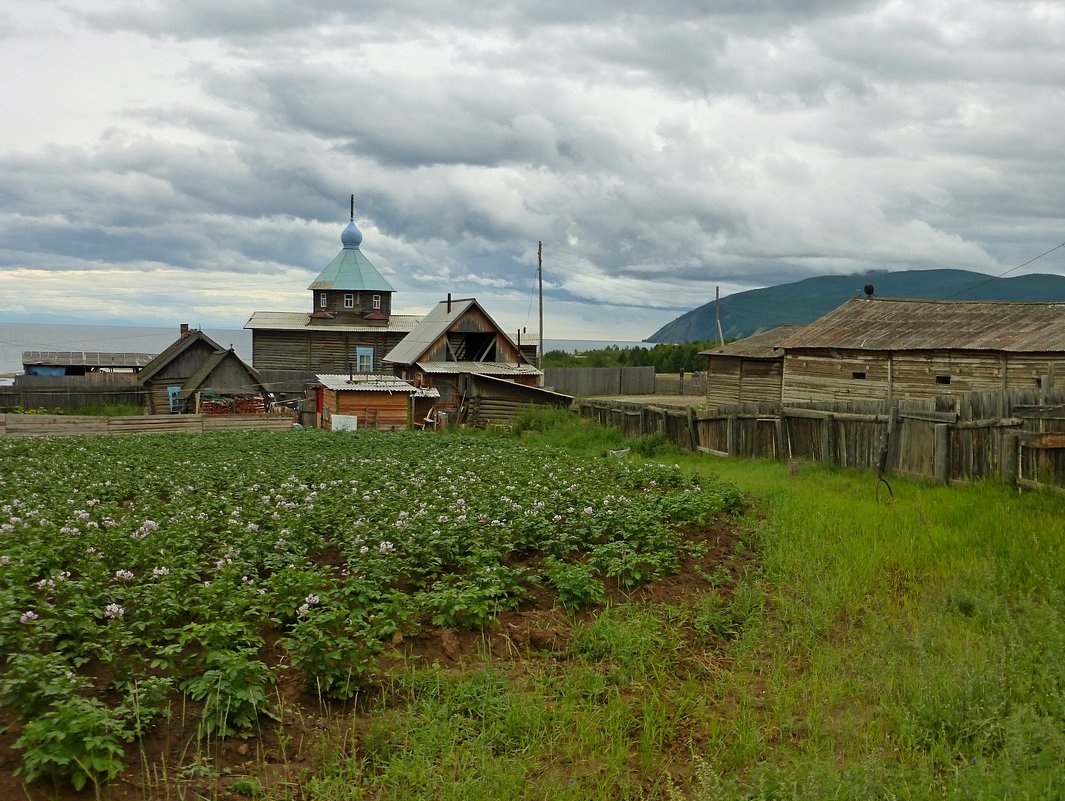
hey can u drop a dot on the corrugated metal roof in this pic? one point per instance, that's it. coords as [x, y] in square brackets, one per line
[477, 368]
[889, 324]
[758, 346]
[300, 321]
[374, 383]
[351, 271]
[84, 358]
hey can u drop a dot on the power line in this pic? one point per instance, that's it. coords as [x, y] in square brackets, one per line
[974, 287]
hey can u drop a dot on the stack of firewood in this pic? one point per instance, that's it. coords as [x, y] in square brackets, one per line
[250, 404]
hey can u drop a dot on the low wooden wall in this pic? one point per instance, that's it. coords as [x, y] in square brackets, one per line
[1017, 436]
[600, 380]
[44, 425]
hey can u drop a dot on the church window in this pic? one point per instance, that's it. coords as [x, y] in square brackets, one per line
[363, 360]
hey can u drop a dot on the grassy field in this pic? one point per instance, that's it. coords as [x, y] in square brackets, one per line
[910, 649]
[823, 644]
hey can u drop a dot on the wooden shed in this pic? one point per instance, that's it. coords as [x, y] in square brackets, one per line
[496, 400]
[749, 369]
[378, 402]
[196, 374]
[458, 338]
[886, 349]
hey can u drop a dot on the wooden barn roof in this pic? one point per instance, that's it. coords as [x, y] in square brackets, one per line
[758, 346]
[890, 324]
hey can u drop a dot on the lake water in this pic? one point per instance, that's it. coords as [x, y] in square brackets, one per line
[17, 337]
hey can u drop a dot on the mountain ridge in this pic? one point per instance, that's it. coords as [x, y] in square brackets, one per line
[802, 302]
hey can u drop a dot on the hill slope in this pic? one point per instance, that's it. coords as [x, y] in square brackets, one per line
[747, 313]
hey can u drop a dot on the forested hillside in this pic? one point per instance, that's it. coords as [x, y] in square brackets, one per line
[747, 313]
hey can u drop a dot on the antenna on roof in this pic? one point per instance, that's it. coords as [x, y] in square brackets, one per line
[353, 208]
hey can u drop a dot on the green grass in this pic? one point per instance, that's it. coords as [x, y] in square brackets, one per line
[910, 649]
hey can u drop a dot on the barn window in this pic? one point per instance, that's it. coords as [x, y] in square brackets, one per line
[377, 301]
[942, 379]
[323, 299]
[363, 360]
[349, 301]
[858, 375]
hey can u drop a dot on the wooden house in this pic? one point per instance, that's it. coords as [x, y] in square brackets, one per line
[349, 327]
[379, 402]
[749, 369]
[195, 374]
[886, 349]
[457, 340]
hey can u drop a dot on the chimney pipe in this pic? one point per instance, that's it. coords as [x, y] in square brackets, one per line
[449, 303]
[184, 330]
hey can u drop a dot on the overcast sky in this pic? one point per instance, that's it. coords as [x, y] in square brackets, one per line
[191, 160]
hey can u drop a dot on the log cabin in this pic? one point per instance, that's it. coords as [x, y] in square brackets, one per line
[196, 368]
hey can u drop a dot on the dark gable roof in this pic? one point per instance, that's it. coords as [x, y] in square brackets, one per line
[759, 346]
[887, 324]
[174, 350]
[195, 382]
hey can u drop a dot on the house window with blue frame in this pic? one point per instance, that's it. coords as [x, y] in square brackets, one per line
[363, 360]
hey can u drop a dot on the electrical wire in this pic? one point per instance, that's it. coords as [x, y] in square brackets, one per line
[974, 287]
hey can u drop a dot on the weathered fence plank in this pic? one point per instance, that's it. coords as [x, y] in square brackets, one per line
[961, 440]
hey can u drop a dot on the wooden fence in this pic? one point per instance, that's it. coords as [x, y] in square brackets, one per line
[43, 425]
[38, 394]
[1018, 436]
[600, 380]
[681, 384]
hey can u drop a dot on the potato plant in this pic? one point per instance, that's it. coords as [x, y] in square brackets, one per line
[166, 561]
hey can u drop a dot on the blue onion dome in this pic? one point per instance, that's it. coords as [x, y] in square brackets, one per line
[351, 236]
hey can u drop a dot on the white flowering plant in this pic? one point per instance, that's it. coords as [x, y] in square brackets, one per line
[184, 580]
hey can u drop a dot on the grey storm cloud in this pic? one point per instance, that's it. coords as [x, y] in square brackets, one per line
[657, 149]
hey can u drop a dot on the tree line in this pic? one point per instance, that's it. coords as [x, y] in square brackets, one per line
[665, 357]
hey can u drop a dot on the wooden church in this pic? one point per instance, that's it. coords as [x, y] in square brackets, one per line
[350, 325]
[380, 369]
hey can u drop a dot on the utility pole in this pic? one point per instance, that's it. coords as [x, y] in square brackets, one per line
[540, 281]
[717, 316]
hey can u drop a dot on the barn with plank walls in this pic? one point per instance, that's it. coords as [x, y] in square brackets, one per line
[888, 349]
[749, 369]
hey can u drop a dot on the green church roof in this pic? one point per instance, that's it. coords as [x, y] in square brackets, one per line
[350, 271]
